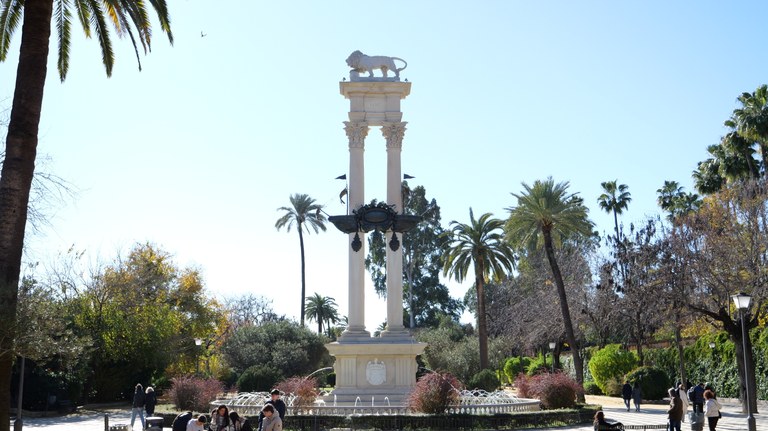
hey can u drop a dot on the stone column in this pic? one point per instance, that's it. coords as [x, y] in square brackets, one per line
[393, 133]
[356, 133]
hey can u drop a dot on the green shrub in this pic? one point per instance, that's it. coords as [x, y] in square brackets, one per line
[613, 387]
[515, 366]
[258, 378]
[485, 380]
[591, 388]
[611, 362]
[330, 379]
[434, 393]
[538, 365]
[653, 382]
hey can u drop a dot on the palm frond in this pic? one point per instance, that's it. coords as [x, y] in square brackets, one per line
[102, 34]
[83, 12]
[161, 8]
[10, 16]
[63, 29]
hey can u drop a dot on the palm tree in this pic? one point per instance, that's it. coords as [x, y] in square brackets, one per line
[322, 309]
[479, 245]
[615, 199]
[751, 120]
[676, 202]
[305, 214]
[547, 214]
[127, 17]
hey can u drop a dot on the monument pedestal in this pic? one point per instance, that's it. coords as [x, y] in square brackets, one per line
[375, 369]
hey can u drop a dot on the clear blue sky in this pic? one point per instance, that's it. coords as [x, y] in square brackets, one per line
[197, 151]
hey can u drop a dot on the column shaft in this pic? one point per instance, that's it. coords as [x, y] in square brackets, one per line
[393, 133]
[356, 132]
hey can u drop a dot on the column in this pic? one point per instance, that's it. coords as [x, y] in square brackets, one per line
[356, 133]
[393, 133]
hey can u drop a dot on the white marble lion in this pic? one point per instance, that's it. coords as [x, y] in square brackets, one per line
[360, 63]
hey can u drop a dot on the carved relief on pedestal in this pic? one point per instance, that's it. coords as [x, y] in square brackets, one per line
[356, 133]
[393, 133]
[376, 372]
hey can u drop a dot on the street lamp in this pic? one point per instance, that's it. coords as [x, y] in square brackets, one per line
[552, 346]
[198, 343]
[19, 423]
[742, 301]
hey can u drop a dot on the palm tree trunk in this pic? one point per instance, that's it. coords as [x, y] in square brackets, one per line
[303, 276]
[482, 323]
[616, 223]
[16, 177]
[578, 363]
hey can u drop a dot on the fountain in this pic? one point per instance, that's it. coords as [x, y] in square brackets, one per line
[384, 366]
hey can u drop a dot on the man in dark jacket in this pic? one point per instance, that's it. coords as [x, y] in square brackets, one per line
[277, 403]
[696, 395]
[626, 393]
[675, 411]
[138, 405]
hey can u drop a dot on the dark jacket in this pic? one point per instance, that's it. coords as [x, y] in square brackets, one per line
[605, 425]
[696, 394]
[150, 400]
[180, 423]
[675, 411]
[626, 391]
[138, 399]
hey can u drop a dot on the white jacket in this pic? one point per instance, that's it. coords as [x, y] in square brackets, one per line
[712, 408]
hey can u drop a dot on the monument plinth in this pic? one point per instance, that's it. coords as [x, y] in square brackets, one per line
[383, 366]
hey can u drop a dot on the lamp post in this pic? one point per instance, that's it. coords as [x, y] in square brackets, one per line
[742, 301]
[19, 423]
[198, 343]
[552, 346]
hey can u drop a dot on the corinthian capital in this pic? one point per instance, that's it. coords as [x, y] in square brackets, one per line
[356, 132]
[393, 133]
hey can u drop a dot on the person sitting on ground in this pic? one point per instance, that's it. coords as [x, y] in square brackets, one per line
[277, 403]
[197, 424]
[271, 421]
[602, 424]
[220, 418]
[181, 421]
[239, 423]
[675, 411]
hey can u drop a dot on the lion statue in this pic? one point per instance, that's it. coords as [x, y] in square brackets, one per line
[361, 63]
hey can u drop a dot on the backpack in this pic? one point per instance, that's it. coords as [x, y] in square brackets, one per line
[181, 421]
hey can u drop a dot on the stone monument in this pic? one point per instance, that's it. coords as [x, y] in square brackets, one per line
[375, 367]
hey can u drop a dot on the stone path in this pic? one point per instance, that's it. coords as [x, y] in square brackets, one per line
[650, 414]
[653, 414]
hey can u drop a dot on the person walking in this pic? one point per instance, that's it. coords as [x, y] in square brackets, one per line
[150, 401]
[712, 409]
[626, 393]
[675, 411]
[637, 395]
[138, 405]
[683, 394]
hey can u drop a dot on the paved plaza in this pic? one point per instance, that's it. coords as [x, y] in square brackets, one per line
[650, 414]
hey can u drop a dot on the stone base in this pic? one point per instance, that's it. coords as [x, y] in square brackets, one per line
[375, 369]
